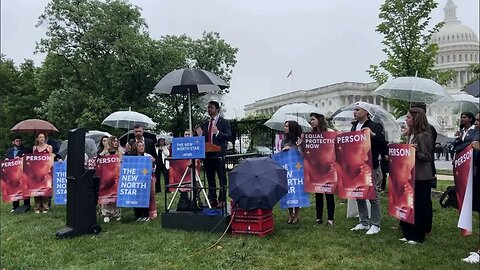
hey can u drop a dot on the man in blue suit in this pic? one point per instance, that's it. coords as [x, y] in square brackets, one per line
[216, 131]
[17, 151]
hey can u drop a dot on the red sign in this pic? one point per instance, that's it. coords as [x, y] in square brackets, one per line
[11, 175]
[320, 175]
[354, 165]
[463, 176]
[37, 174]
[108, 169]
[178, 168]
[401, 188]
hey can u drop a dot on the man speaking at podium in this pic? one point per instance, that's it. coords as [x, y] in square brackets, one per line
[217, 133]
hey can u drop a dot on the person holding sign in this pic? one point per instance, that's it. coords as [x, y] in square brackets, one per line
[474, 257]
[17, 151]
[41, 147]
[145, 214]
[292, 140]
[216, 131]
[418, 135]
[359, 155]
[322, 167]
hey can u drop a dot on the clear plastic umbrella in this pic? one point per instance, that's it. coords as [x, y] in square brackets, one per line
[412, 89]
[90, 148]
[128, 119]
[96, 135]
[377, 114]
[462, 102]
[277, 122]
[298, 109]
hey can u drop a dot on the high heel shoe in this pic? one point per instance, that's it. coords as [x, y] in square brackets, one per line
[290, 220]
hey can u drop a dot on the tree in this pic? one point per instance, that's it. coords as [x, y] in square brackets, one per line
[475, 69]
[100, 59]
[408, 45]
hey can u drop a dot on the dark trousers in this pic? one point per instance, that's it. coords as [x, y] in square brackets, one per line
[215, 165]
[161, 170]
[423, 213]
[140, 212]
[330, 205]
[16, 204]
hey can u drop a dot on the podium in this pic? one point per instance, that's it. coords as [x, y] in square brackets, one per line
[82, 190]
[194, 219]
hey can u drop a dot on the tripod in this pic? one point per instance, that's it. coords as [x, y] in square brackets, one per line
[190, 168]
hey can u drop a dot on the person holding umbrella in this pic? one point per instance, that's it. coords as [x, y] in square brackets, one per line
[217, 131]
[17, 151]
[41, 147]
[292, 140]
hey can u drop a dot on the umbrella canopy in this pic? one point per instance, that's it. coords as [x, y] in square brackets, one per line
[277, 122]
[257, 183]
[431, 120]
[128, 119]
[96, 135]
[194, 81]
[298, 109]
[90, 148]
[461, 101]
[130, 135]
[473, 89]
[412, 89]
[34, 125]
[377, 114]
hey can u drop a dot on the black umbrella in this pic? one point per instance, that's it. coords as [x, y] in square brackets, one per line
[129, 136]
[189, 81]
[257, 183]
[473, 88]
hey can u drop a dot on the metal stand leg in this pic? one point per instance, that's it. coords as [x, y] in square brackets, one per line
[197, 179]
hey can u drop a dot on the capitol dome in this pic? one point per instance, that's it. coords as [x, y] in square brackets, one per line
[453, 31]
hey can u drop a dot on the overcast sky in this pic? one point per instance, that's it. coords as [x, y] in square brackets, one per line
[323, 42]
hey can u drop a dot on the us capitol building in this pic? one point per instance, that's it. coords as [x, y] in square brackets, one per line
[458, 49]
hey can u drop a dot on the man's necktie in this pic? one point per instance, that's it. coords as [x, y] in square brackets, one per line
[209, 138]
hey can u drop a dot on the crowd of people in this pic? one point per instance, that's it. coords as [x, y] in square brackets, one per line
[216, 131]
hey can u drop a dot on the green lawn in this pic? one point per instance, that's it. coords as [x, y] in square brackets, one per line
[28, 242]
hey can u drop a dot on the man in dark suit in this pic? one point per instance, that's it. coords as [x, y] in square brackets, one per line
[17, 151]
[216, 131]
[362, 114]
[149, 144]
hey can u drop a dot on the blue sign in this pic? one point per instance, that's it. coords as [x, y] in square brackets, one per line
[60, 183]
[188, 147]
[292, 161]
[135, 182]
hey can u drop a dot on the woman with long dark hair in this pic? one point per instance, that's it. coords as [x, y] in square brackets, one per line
[145, 214]
[418, 135]
[291, 139]
[319, 124]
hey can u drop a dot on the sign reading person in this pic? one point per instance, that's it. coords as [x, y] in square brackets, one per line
[135, 182]
[401, 189]
[37, 174]
[463, 176]
[354, 165]
[319, 157]
[60, 183]
[11, 174]
[292, 161]
[108, 169]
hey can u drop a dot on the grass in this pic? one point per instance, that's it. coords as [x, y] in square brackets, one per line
[28, 241]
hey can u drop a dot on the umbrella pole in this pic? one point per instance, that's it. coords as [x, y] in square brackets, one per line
[192, 170]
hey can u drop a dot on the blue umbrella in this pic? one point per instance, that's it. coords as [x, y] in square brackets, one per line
[257, 183]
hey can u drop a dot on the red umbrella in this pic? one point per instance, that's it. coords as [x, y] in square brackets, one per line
[34, 125]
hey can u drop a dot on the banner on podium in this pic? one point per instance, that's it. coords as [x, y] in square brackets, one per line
[188, 148]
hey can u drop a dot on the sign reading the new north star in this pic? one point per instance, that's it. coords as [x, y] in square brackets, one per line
[135, 182]
[188, 147]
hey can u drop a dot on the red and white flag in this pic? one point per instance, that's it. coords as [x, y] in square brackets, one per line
[290, 74]
[463, 176]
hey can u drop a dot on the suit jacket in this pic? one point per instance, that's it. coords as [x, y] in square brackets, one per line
[149, 146]
[462, 143]
[221, 139]
[423, 156]
[22, 150]
[379, 144]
